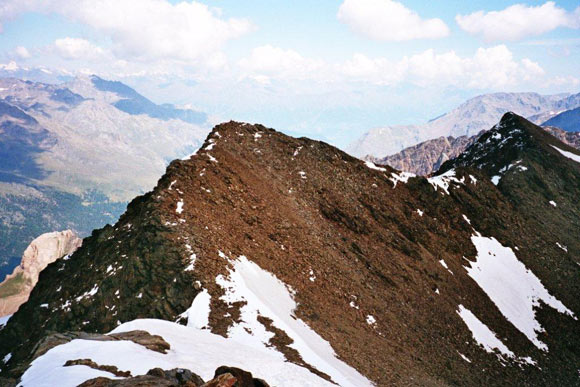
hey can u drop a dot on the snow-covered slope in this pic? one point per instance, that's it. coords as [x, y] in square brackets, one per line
[195, 348]
[476, 114]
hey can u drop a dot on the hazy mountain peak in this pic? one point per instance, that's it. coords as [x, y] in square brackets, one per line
[469, 118]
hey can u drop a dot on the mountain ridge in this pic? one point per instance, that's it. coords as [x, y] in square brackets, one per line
[313, 216]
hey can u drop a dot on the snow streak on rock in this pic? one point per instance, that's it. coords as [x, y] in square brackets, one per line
[569, 155]
[482, 334]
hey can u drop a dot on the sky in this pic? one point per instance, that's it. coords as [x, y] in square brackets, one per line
[329, 69]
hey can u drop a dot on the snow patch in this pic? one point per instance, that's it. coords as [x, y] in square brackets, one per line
[179, 208]
[311, 277]
[195, 349]
[495, 179]
[420, 212]
[444, 264]
[192, 259]
[198, 314]
[444, 181]
[88, 294]
[466, 219]
[553, 203]
[514, 289]
[402, 177]
[464, 357]
[565, 248]
[372, 165]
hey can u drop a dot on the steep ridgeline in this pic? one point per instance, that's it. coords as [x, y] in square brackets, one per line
[292, 260]
[72, 155]
[427, 157]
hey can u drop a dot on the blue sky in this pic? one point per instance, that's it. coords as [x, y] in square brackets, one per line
[326, 69]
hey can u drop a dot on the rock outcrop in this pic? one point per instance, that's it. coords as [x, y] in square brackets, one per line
[224, 377]
[44, 250]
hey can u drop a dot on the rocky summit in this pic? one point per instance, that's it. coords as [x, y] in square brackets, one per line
[294, 261]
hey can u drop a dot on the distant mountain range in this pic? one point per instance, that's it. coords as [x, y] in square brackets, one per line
[73, 154]
[568, 120]
[473, 116]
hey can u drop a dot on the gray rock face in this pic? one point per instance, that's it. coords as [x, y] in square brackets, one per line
[477, 114]
[44, 250]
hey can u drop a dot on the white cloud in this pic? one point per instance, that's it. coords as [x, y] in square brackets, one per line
[518, 21]
[268, 61]
[76, 48]
[374, 70]
[389, 20]
[488, 68]
[22, 52]
[492, 67]
[566, 81]
[145, 29]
